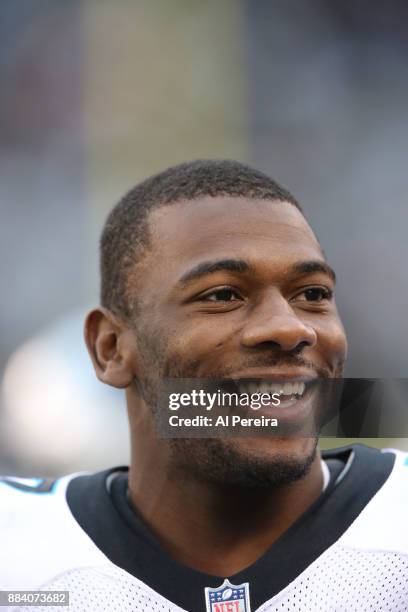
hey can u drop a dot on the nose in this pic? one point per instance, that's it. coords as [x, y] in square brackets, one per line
[275, 322]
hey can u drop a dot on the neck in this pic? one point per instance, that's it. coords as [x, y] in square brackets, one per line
[214, 528]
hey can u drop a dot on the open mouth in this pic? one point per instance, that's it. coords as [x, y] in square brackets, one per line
[285, 390]
[292, 402]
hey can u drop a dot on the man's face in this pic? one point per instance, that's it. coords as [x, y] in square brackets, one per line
[236, 288]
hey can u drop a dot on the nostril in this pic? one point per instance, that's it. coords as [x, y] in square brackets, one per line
[299, 348]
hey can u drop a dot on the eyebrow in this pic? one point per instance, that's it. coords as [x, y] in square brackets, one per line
[314, 265]
[239, 266]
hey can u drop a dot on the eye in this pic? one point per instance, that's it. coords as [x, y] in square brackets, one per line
[223, 294]
[315, 294]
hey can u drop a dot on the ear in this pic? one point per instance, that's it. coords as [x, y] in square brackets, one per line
[111, 346]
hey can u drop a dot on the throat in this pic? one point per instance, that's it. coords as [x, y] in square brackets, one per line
[221, 531]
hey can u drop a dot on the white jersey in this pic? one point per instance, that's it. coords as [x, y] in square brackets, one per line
[332, 561]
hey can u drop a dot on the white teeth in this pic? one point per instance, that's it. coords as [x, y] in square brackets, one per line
[265, 386]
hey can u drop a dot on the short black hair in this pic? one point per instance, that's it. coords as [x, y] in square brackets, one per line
[125, 235]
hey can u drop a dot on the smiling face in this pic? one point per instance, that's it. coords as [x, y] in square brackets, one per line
[238, 288]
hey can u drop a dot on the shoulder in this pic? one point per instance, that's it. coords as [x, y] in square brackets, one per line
[45, 547]
[40, 537]
[381, 525]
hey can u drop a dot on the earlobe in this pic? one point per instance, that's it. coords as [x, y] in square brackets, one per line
[109, 345]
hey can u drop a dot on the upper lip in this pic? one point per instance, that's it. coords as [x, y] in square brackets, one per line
[303, 375]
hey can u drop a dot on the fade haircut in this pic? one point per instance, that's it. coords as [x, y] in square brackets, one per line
[126, 236]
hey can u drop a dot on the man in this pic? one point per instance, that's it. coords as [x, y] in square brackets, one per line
[210, 270]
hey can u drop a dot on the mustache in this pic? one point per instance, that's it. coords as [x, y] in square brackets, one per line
[281, 361]
[190, 370]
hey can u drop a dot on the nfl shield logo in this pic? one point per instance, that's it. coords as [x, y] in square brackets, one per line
[228, 598]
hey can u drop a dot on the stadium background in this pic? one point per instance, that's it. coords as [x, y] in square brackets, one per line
[97, 94]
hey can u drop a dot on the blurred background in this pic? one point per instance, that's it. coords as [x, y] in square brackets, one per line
[95, 95]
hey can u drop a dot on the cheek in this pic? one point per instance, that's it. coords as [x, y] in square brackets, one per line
[192, 345]
[204, 342]
[209, 332]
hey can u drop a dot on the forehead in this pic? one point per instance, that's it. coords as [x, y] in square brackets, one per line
[226, 226]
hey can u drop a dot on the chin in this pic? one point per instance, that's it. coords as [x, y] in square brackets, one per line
[257, 463]
[269, 448]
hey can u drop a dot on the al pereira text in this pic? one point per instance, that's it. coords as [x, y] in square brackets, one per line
[222, 421]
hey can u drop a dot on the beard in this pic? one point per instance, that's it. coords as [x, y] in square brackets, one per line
[227, 462]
